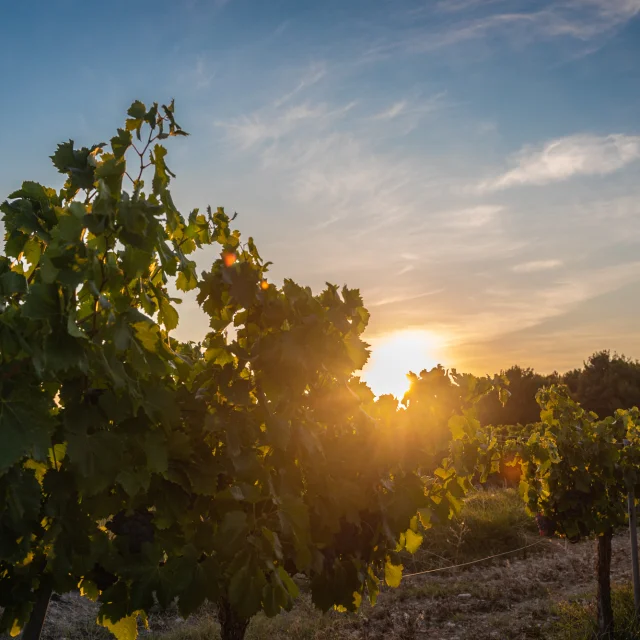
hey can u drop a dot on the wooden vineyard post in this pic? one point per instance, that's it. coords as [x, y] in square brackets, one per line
[603, 567]
[633, 535]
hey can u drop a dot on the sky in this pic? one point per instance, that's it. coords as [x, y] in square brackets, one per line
[472, 166]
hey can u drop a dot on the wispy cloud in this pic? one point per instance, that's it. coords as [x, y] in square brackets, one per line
[581, 20]
[536, 265]
[406, 269]
[281, 28]
[194, 4]
[473, 217]
[404, 298]
[345, 178]
[523, 308]
[412, 108]
[485, 128]
[270, 125]
[393, 111]
[202, 74]
[314, 74]
[326, 164]
[464, 5]
[565, 158]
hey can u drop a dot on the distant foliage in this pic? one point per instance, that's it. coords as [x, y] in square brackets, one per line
[603, 385]
[521, 407]
[606, 383]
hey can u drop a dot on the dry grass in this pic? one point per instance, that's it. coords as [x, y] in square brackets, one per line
[490, 522]
[305, 622]
[576, 619]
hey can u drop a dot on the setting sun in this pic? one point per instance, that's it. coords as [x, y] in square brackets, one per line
[394, 355]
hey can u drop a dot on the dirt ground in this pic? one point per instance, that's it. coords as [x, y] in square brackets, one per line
[509, 598]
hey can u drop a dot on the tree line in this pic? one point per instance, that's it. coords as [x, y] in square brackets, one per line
[604, 384]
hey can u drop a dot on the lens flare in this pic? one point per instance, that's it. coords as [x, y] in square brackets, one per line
[229, 258]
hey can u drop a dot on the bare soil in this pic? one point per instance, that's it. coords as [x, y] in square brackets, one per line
[509, 598]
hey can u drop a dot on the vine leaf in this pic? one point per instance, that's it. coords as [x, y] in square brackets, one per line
[392, 573]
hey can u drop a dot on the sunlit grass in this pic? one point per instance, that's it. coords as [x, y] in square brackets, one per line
[490, 522]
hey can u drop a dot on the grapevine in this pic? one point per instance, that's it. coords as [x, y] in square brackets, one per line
[578, 471]
[142, 470]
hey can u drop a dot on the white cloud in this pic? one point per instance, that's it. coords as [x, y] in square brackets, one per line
[582, 20]
[536, 265]
[281, 28]
[270, 125]
[464, 5]
[313, 75]
[404, 298]
[418, 108]
[337, 183]
[487, 127]
[195, 4]
[406, 269]
[519, 308]
[201, 74]
[473, 217]
[565, 158]
[393, 111]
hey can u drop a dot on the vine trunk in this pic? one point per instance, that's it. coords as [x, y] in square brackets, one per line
[33, 628]
[232, 626]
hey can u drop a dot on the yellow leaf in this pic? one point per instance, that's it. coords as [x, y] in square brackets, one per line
[425, 517]
[357, 599]
[38, 467]
[392, 573]
[123, 629]
[145, 620]
[28, 559]
[88, 589]
[457, 425]
[414, 540]
[15, 629]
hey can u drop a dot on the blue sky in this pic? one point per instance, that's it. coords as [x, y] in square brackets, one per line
[471, 165]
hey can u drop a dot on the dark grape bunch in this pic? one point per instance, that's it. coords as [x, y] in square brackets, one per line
[137, 527]
[102, 578]
[546, 526]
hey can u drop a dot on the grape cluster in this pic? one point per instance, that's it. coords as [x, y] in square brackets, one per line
[546, 526]
[91, 396]
[102, 578]
[137, 527]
